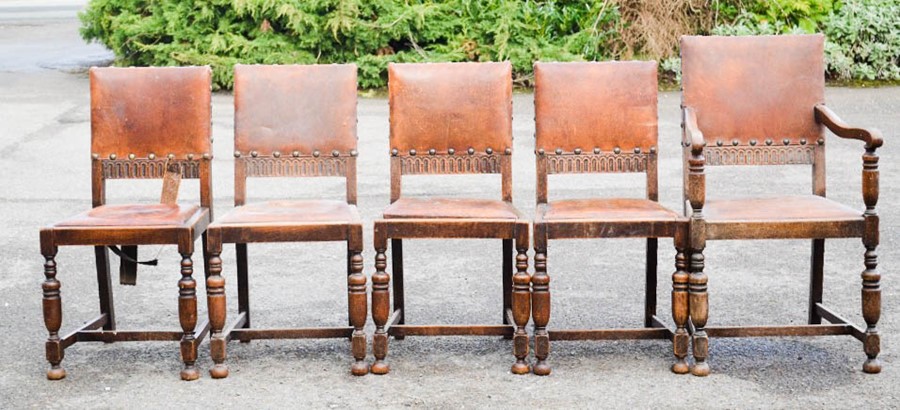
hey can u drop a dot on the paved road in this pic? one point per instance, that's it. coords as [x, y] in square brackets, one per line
[44, 160]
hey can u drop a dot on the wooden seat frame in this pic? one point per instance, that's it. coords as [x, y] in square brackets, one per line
[701, 151]
[391, 320]
[257, 159]
[569, 158]
[137, 165]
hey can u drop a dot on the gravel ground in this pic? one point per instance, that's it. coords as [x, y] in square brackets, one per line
[44, 160]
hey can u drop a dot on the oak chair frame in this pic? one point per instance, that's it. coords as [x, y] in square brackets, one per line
[698, 153]
[593, 160]
[390, 317]
[295, 164]
[137, 165]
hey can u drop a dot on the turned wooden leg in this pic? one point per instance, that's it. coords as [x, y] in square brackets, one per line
[356, 288]
[871, 307]
[187, 315]
[681, 339]
[381, 309]
[53, 317]
[699, 308]
[215, 294]
[521, 308]
[540, 311]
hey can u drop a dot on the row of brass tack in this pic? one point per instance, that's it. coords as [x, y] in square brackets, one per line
[590, 118]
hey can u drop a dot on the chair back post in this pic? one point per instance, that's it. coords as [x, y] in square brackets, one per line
[295, 121]
[143, 118]
[609, 127]
[451, 118]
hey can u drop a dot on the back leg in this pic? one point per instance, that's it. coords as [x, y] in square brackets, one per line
[816, 279]
[104, 284]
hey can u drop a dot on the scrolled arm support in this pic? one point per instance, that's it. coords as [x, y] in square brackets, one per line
[872, 137]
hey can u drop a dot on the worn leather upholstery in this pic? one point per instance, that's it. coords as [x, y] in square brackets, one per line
[430, 208]
[132, 215]
[754, 88]
[290, 108]
[286, 212]
[450, 105]
[615, 209]
[778, 208]
[144, 110]
[595, 105]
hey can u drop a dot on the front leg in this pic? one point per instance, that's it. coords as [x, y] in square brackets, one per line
[187, 315]
[381, 307]
[540, 311]
[215, 291]
[53, 317]
[699, 307]
[521, 309]
[356, 288]
[680, 312]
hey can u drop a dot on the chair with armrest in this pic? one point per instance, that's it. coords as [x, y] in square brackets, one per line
[759, 100]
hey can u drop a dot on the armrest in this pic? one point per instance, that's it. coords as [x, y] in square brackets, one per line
[830, 120]
[692, 133]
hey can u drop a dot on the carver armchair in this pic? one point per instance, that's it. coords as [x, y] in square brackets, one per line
[757, 101]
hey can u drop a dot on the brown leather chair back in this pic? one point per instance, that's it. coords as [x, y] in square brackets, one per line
[143, 117]
[450, 118]
[294, 120]
[596, 117]
[755, 92]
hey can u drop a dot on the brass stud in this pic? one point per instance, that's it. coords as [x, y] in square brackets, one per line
[541, 151]
[353, 153]
[617, 150]
[471, 151]
[702, 144]
[432, 151]
[276, 154]
[802, 141]
[451, 151]
[596, 150]
[821, 141]
[508, 151]
[237, 154]
[206, 155]
[577, 150]
[768, 141]
[489, 150]
[131, 156]
[412, 152]
[753, 143]
[190, 156]
[395, 152]
[719, 143]
[335, 153]
[652, 150]
[295, 153]
[637, 150]
[786, 141]
[112, 156]
[153, 156]
[559, 151]
[735, 142]
[95, 156]
[254, 154]
[170, 156]
[316, 153]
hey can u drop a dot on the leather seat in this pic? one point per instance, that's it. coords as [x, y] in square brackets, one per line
[291, 212]
[805, 208]
[438, 208]
[597, 209]
[133, 215]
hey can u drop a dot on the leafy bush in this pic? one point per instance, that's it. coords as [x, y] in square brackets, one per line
[369, 33]
[862, 36]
